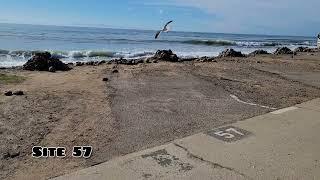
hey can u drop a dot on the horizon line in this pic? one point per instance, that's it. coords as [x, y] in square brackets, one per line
[132, 28]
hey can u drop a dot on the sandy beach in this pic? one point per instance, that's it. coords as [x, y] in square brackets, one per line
[139, 107]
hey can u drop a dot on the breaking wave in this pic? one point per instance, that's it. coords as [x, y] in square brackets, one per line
[247, 43]
[77, 54]
[210, 42]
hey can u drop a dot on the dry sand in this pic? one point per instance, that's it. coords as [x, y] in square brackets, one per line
[140, 107]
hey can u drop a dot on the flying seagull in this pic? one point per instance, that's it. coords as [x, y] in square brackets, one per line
[165, 29]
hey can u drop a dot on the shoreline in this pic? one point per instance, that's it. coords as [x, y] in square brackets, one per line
[102, 59]
[119, 108]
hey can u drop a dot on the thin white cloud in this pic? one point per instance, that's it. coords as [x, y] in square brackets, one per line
[254, 16]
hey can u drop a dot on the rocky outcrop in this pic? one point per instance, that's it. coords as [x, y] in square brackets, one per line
[259, 51]
[166, 55]
[230, 53]
[306, 49]
[79, 63]
[283, 50]
[127, 61]
[42, 61]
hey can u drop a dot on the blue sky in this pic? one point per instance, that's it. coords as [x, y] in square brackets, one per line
[283, 17]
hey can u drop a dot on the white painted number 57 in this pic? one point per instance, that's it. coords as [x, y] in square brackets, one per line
[228, 133]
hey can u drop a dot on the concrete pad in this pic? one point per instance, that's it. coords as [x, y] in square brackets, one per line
[284, 146]
[312, 105]
[164, 162]
[275, 146]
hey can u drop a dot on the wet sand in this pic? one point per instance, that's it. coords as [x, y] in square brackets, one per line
[142, 106]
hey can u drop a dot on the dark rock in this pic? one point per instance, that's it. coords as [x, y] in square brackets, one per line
[90, 63]
[42, 61]
[115, 71]
[306, 49]
[283, 50]
[155, 61]
[120, 61]
[138, 61]
[18, 93]
[70, 64]
[52, 69]
[206, 59]
[8, 93]
[230, 53]
[189, 59]
[105, 79]
[259, 51]
[301, 49]
[166, 55]
[126, 61]
[79, 63]
[131, 62]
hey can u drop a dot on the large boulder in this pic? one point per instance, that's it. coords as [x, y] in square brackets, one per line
[43, 61]
[259, 51]
[301, 49]
[283, 50]
[230, 53]
[166, 55]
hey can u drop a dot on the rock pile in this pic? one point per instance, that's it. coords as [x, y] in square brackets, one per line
[283, 50]
[230, 53]
[43, 61]
[166, 55]
[306, 49]
[259, 51]
[17, 93]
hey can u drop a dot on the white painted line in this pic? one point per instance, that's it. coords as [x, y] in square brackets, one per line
[251, 104]
[284, 110]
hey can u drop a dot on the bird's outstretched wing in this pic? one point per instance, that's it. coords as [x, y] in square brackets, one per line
[157, 34]
[165, 26]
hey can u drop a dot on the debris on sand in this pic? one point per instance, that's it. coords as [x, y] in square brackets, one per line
[105, 79]
[11, 154]
[18, 93]
[283, 50]
[8, 93]
[230, 53]
[115, 71]
[42, 61]
[257, 52]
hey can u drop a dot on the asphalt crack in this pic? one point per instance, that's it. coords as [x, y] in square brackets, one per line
[212, 164]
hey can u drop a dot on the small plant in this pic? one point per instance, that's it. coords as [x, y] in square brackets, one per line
[11, 79]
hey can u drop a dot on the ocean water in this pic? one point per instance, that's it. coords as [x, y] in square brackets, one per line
[84, 44]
